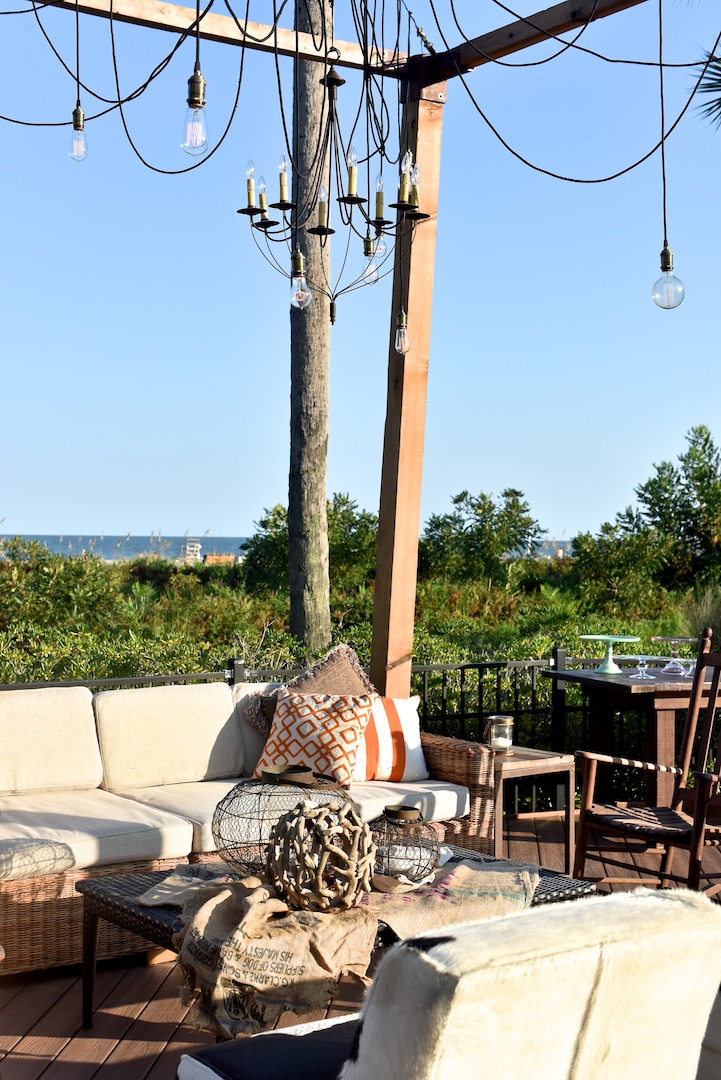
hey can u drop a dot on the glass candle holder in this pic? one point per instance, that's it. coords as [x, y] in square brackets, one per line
[499, 734]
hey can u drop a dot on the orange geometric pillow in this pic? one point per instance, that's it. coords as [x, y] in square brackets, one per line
[322, 731]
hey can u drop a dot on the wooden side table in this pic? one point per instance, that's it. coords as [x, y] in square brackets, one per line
[524, 761]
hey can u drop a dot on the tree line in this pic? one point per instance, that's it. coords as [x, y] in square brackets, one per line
[481, 592]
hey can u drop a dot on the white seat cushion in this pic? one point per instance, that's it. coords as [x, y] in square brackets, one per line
[196, 802]
[436, 799]
[47, 833]
[168, 735]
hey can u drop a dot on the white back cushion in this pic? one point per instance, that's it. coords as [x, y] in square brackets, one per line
[168, 735]
[48, 740]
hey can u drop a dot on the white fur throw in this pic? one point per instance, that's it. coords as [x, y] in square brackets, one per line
[609, 988]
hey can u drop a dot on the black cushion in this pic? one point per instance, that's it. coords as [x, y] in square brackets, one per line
[317, 1055]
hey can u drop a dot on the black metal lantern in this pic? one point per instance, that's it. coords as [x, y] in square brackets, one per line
[406, 847]
[245, 818]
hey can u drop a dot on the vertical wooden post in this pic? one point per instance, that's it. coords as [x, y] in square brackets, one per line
[400, 499]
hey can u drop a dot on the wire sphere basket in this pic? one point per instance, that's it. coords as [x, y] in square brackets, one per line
[321, 857]
[244, 819]
[406, 847]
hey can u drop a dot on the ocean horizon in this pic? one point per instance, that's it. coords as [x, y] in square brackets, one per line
[130, 546]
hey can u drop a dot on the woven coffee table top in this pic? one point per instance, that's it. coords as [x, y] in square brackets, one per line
[114, 897]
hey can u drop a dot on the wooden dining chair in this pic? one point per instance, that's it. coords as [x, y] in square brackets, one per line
[615, 834]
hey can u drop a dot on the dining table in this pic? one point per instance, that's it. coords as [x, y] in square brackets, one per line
[658, 699]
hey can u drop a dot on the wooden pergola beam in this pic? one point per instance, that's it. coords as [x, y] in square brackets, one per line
[516, 36]
[224, 29]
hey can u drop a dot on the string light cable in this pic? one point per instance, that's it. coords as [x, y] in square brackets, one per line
[549, 172]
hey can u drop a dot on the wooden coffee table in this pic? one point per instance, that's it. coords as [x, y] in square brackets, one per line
[114, 898]
[525, 761]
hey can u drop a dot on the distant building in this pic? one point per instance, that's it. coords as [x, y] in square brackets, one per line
[219, 559]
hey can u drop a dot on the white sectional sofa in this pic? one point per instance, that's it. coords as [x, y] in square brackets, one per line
[128, 779]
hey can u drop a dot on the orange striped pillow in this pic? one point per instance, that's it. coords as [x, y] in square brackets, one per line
[391, 745]
[322, 731]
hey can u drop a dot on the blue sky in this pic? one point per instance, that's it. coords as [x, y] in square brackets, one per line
[145, 345]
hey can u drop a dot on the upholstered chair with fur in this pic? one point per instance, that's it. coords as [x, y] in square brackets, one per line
[609, 988]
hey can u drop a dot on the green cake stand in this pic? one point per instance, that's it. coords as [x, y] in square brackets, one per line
[608, 665]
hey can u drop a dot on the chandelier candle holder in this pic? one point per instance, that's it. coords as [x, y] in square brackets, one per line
[244, 819]
[406, 847]
[338, 165]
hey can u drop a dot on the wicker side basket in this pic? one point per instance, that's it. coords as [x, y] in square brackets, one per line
[471, 764]
[41, 919]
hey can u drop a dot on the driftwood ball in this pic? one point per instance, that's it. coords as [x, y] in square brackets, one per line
[321, 857]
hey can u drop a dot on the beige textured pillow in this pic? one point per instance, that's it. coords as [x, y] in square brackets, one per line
[339, 672]
[322, 731]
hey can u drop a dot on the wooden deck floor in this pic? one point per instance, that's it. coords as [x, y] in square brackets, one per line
[139, 1030]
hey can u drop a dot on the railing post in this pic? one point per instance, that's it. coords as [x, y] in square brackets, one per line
[239, 670]
[558, 702]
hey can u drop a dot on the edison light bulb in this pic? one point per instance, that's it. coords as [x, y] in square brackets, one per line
[195, 130]
[79, 145]
[381, 249]
[370, 274]
[402, 342]
[669, 291]
[300, 294]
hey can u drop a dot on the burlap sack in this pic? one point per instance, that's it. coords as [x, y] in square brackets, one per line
[252, 958]
[461, 892]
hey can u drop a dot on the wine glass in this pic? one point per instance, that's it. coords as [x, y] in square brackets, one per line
[641, 669]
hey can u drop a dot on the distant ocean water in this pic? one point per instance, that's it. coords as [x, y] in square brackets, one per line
[113, 548]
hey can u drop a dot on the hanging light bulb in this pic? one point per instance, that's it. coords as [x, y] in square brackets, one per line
[669, 291]
[402, 342]
[370, 274]
[300, 294]
[195, 130]
[381, 248]
[79, 145]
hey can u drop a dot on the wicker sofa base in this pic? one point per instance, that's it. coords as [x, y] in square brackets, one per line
[41, 919]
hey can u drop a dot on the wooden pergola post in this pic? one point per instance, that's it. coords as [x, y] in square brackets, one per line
[400, 499]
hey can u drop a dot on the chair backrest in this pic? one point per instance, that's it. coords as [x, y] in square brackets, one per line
[602, 988]
[696, 747]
